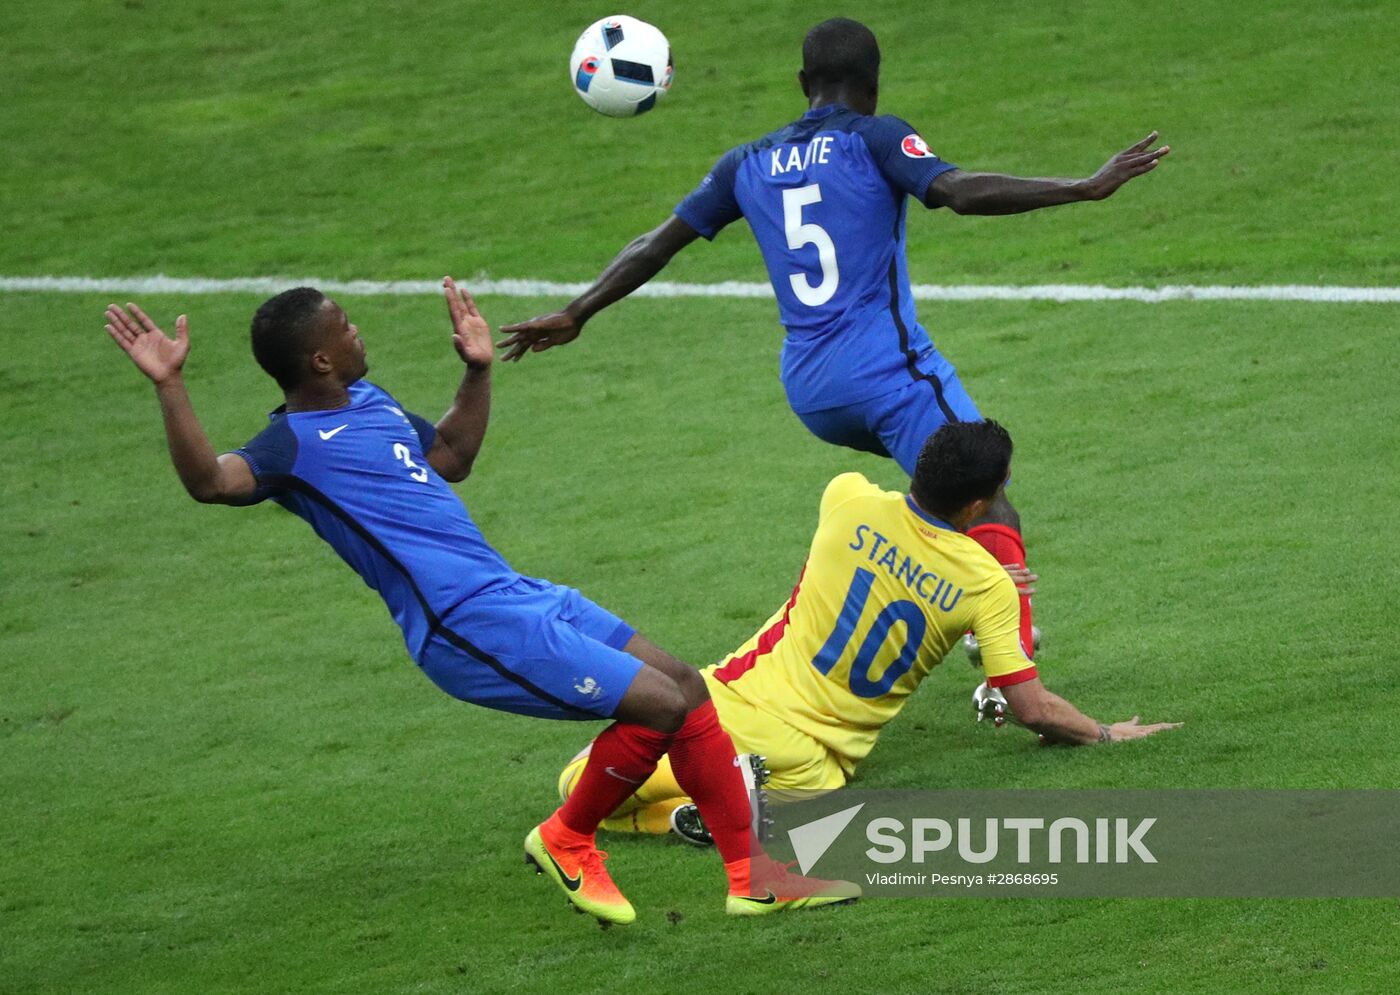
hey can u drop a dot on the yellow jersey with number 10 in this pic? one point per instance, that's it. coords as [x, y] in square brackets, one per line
[886, 591]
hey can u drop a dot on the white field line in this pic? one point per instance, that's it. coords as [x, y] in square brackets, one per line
[1063, 292]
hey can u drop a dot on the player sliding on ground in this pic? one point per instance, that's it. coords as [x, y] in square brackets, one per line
[890, 583]
[371, 479]
[825, 198]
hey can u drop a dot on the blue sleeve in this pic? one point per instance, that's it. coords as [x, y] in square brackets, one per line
[270, 455]
[427, 431]
[712, 204]
[904, 158]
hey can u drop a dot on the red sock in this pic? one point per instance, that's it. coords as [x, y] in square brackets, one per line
[1006, 544]
[702, 758]
[624, 755]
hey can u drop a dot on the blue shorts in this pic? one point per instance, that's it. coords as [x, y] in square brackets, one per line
[533, 648]
[896, 424]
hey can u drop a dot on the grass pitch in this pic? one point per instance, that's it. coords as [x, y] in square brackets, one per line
[220, 771]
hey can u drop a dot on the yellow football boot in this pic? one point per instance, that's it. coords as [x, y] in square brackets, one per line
[761, 886]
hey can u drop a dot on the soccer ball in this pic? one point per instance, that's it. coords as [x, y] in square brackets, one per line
[621, 66]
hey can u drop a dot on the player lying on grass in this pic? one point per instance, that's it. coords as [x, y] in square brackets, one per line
[371, 479]
[825, 199]
[890, 584]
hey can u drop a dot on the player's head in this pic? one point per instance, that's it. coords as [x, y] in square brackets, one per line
[301, 335]
[961, 464]
[841, 56]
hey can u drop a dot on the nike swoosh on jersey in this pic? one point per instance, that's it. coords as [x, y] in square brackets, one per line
[325, 435]
[613, 773]
[571, 883]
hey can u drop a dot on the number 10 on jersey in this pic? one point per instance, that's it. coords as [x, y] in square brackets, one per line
[860, 681]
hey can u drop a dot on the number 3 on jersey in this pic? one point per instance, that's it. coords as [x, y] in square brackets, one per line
[801, 233]
[861, 683]
[415, 471]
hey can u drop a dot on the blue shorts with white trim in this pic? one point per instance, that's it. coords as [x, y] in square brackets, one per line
[533, 648]
[896, 424]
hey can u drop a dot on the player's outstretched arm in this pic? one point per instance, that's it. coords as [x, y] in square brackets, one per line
[995, 193]
[644, 257]
[1036, 707]
[208, 477]
[461, 430]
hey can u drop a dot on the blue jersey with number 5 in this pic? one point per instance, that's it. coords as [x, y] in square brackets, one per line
[359, 475]
[825, 197]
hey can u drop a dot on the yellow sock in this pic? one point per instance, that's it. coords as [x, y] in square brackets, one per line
[654, 819]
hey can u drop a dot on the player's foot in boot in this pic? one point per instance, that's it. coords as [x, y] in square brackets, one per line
[762, 886]
[756, 774]
[974, 651]
[689, 826]
[576, 866]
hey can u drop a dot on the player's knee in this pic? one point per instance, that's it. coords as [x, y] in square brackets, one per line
[654, 700]
[693, 687]
[670, 709]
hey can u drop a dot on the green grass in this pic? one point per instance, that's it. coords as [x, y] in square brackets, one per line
[221, 773]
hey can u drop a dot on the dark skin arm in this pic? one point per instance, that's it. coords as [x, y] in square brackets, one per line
[994, 193]
[208, 477]
[461, 430]
[644, 257]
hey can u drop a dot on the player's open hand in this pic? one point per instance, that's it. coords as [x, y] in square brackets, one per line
[154, 353]
[538, 334]
[1022, 578]
[471, 336]
[1133, 161]
[1134, 729]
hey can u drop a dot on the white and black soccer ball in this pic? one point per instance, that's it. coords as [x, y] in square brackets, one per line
[621, 66]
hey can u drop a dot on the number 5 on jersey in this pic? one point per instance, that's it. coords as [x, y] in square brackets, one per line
[800, 233]
[415, 471]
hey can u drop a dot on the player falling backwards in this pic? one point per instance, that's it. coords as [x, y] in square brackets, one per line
[890, 584]
[825, 198]
[371, 479]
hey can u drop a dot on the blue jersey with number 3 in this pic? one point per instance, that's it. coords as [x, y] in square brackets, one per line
[359, 476]
[825, 197]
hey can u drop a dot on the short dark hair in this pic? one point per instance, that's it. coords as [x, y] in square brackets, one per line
[283, 334]
[960, 463]
[840, 51]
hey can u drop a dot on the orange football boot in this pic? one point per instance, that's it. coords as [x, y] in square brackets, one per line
[573, 863]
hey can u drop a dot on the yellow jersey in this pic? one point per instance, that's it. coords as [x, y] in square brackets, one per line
[886, 591]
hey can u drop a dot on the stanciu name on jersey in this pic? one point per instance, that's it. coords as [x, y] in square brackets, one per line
[909, 571]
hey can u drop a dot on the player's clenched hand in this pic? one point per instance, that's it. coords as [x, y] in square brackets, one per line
[154, 353]
[538, 334]
[471, 336]
[1134, 729]
[1132, 161]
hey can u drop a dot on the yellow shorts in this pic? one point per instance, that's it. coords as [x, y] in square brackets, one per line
[797, 761]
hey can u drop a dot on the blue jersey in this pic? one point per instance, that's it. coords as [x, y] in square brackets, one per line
[359, 476]
[825, 197]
